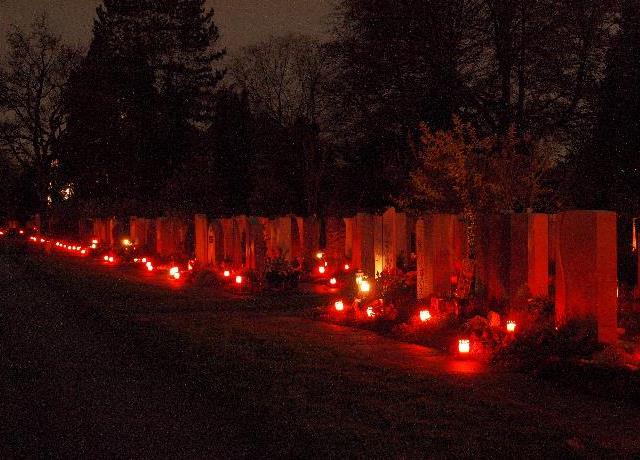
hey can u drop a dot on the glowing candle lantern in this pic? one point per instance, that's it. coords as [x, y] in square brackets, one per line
[149, 266]
[511, 326]
[425, 315]
[346, 267]
[333, 281]
[42, 240]
[227, 273]
[106, 258]
[126, 242]
[339, 305]
[370, 312]
[111, 259]
[190, 267]
[319, 255]
[94, 245]
[365, 286]
[83, 252]
[94, 241]
[174, 272]
[238, 279]
[359, 279]
[135, 259]
[463, 346]
[321, 269]
[22, 232]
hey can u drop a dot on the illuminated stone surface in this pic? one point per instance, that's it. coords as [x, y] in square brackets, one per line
[529, 258]
[586, 269]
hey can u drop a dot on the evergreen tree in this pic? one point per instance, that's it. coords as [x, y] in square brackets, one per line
[607, 172]
[139, 102]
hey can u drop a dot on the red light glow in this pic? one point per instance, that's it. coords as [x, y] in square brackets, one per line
[226, 274]
[425, 315]
[333, 281]
[174, 272]
[321, 269]
[339, 305]
[347, 267]
[370, 312]
[511, 326]
[239, 279]
[463, 346]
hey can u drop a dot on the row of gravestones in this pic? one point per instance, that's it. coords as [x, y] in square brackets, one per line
[523, 255]
[372, 243]
[516, 255]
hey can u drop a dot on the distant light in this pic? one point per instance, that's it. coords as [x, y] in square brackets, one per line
[359, 279]
[84, 251]
[346, 267]
[370, 312]
[227, 274]
[135, 259]
[511, 326]
[425, 315]
[463, 346]
[126, 242]
[22, 232]
[321, 269]
[339, 305]
[189, 267]
[365, 286]
[94, 245]
[94, 241]
[238, 279]
[106, 258]
[144, 260]
[333, 281]
[110, 259]
[319, 255]
[42, 240]
[149, 266]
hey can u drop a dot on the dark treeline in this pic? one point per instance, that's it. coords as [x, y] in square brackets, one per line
[464, 105]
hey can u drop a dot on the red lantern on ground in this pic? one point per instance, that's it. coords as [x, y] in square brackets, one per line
[239, 280]
[339, 305]
[511, 326]
[321, 269]
[333, 281]
[174, 272]
[463, 346]
[226, 274]
[425, 315]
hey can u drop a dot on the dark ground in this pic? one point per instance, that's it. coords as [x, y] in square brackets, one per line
[94, 365]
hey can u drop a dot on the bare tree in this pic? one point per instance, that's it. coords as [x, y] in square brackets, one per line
[287, 78]
[32, 82]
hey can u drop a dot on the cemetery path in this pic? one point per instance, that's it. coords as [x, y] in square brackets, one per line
[92, 365]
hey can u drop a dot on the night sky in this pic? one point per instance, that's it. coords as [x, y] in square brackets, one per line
[241, 22]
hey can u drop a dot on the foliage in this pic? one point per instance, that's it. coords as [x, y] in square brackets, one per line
[280, 273]
[32, 81]
[149, 73]
[534, 348]
[460, 171]
[395, 291]
[286, 80]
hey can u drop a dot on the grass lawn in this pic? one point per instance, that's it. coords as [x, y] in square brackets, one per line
[95, 364]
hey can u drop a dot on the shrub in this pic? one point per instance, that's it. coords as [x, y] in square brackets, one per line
[533, 348]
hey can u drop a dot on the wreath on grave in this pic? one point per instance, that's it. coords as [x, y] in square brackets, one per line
[281, 274]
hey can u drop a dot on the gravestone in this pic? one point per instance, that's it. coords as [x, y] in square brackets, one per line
[202, 239]
[349, 223]
[586, 269]
[335, 230]
[529, 259]
[493, 246]
[440, 251]
[363, 244]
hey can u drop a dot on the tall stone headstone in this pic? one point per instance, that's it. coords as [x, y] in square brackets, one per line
[363, 243]
[202, 239]
[586, 269]
[349, 224]
[493, 249]
[440, 250]
[335, 230]
[380, 243]
[140, 231]
[529, 267]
